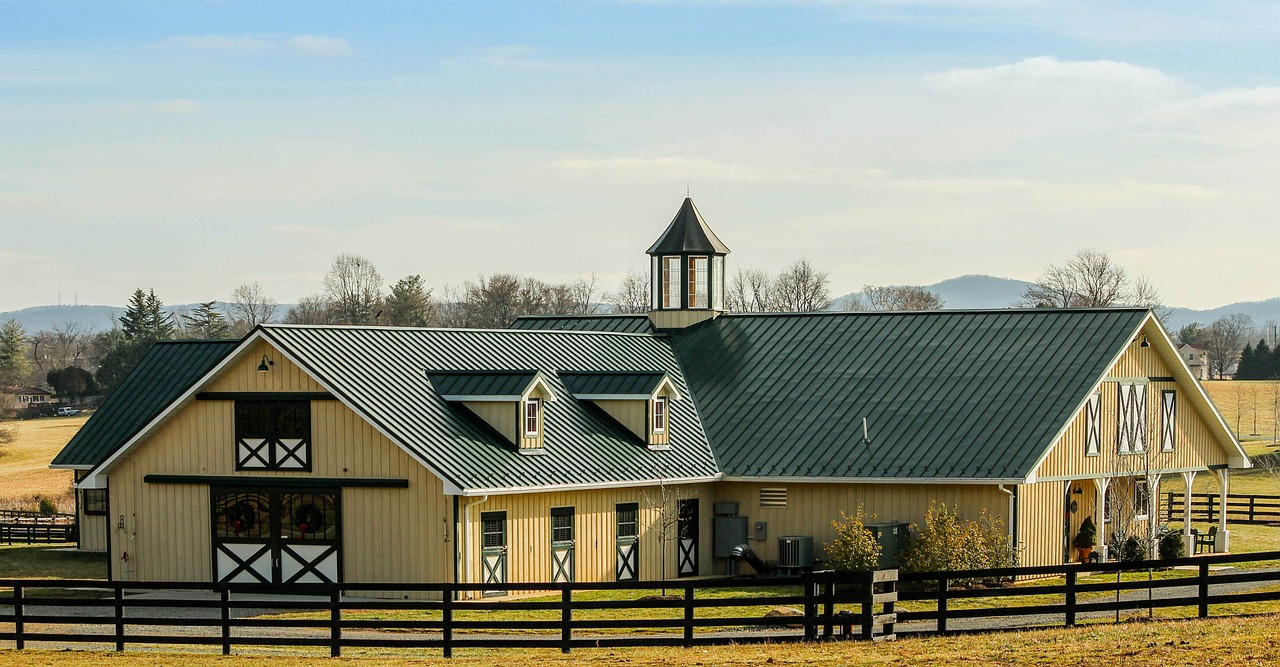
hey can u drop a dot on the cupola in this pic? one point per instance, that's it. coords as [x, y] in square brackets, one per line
[686, 278]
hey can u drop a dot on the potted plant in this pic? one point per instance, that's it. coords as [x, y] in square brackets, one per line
[1085, 539]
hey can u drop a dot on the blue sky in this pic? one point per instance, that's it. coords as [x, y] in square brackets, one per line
[195, 146]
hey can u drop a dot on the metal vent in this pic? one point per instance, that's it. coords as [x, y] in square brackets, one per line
[795, 551]
[773, 496]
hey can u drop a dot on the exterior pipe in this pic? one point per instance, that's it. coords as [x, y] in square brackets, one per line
[1013, 514]
[464, 541]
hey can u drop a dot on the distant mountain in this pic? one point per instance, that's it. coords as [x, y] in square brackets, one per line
[41, 318]
[971, 291]
[1261, 312]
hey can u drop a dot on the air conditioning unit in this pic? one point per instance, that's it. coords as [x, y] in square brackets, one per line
[795, 552]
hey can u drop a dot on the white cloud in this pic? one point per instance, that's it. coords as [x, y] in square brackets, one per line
[1047, 72]
[175, 107]
[1243, 117]
[665, 168]
[319, 45]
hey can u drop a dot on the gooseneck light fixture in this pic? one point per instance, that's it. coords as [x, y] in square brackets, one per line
[266, 364]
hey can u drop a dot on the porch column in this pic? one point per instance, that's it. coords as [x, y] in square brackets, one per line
[1222, 543]
[1188, 541]
[1153, 511]
[1100, 485]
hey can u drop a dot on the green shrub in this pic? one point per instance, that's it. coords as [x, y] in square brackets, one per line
[1088, 535]
[854, 547]
[1172, 547]
[1133, 550]
[947, 542]
[46, 506]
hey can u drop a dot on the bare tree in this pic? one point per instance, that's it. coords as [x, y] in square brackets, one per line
[801, 288]
[313, 309]
[900, 297]
[353, 289]
[1091, 279]
[1223, 341]
[750, 290]
[632, 295]
[585, 295]
[664, 508]
[493, 302]
[249, 307]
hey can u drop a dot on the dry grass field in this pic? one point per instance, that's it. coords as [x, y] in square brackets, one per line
[1249, 406]
[1227, 642]
[24, 463]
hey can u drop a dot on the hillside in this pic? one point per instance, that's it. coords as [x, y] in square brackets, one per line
[24, 463]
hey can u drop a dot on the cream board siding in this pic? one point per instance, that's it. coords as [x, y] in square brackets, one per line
[503, 416]
[244, 375]
[630, 414]
[388, 534]
[93, 531]
[679, 319]
[1040, 523]
[1196, 447]
[595, 531]
[811, 508]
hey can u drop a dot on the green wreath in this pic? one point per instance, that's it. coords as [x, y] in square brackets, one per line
[242, 516]
[308, 519]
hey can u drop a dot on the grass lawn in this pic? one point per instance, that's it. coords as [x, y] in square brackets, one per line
[21, 561]
[1218, 642]
[24, 463]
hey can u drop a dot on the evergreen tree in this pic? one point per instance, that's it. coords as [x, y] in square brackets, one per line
[144, 318]
[206, 322]
[14, 365]
[410, 303]
[1263, 362]
[1245, 368]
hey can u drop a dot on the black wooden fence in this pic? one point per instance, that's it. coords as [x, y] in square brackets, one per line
[32, 527]
[1208, 506]
[864, 605]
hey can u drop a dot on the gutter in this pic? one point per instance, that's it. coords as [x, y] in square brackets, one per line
[1013, 513]
[464, 541]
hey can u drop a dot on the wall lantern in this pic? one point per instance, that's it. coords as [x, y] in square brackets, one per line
[265, 365]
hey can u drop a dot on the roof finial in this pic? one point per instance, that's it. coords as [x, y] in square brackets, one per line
[686, 188]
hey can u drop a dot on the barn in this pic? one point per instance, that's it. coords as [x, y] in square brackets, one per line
[614, 447]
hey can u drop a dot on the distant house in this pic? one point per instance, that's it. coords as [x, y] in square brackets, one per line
[26, 396]
[1197, 361]
[601, 448]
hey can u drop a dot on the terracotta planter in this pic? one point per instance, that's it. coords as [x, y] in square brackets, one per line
[1084, 553]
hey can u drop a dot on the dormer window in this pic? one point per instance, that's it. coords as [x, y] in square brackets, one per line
[660, 414]
[532, 417]
[639, 401]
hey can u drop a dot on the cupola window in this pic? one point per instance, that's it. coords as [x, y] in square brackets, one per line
[670, 282]
[697, 282]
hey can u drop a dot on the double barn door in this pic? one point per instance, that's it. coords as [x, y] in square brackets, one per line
[276, 536]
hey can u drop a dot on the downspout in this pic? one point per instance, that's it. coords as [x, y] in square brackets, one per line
[1013, 514]
[464, 541]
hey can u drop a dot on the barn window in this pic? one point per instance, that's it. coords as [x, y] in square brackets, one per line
[532, 416]
[1131, 414]
[1093, 425]
[659, 415]
[95, 501]
[273, 435]
[775, 496]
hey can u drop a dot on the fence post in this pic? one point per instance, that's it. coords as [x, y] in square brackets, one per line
[1204, 590]
[335, 621]
[1070, 619]
[119, 611]
[1251, 499]
[829, 607]
[810, 607]
[688, 616]
[446, 621]
[944, 588]
[1211, 501]
[869, 607]
[566, 618]
[225, 596]
[18, 642]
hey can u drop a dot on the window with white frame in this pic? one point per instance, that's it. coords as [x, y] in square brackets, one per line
[1141, 499]
[1131, 413]
[717, 282]
[660, 414]
[532, 417]
[670, 282]
[697, 282]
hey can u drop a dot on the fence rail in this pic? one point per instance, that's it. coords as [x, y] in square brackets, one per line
[1208, 507]
[829, 605]
[17, 526]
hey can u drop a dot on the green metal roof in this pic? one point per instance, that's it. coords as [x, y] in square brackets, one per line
[688, 233]
[947, 394]
[612, 384]
[613, 323]
[382, 373]
[168, 369]
[481, 383]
